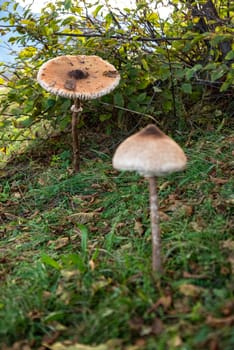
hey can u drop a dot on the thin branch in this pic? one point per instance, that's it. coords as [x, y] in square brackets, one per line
[123, 37]
[130, 110]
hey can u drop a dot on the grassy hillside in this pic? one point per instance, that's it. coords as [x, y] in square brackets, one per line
[75, 250]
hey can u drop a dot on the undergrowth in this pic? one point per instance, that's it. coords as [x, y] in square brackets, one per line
[75, 253]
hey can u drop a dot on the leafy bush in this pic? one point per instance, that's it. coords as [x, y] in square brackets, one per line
[177, 71]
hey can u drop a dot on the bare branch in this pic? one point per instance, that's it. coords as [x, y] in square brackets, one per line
[123, 37]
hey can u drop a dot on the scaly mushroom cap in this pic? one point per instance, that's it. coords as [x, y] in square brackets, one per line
[149, 152]
[83, 77]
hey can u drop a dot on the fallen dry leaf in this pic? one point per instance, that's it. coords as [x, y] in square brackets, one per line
[218, 181]
[49, 339]
[19, 345]
[157, 326]
[219, 322]
[35, 315]
[175, 341]
[179, 206]
[164, 301]
[214, 344]
[164, 185]
[59, 243]
[82, 217]
[228, 244]
[195, 276]
[228, 308]
[92, 265]
[138, 227]
[67, 345]
[190, 290]
[163, 216]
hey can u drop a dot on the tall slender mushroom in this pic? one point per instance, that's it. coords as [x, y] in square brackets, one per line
[78, 78]
[151, 153]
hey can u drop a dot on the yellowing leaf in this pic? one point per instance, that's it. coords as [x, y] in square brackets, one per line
[112, 344]
[27, 52]
[190, 290]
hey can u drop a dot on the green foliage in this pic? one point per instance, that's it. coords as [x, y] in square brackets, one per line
[75, 252]
[168, 66]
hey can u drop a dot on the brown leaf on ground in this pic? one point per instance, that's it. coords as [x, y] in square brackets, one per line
[163, 216]
[228, 244]
[198, 224]
[138, 227]
[136, 324]
[49, 339]
[218, 181]
[228, 308]
[112, 344]
[181, 306]
[176, 205]
[157, 326]
[175, 341]
[190, 290]
[59, 243]
[194, 276]
[139, 344]
[214, 344]
[92, 265]
[19, 345]
[164, 301]
[219, 322]
[35, 315]
[82, 218]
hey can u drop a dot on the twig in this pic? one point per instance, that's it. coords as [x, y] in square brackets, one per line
[123, 37]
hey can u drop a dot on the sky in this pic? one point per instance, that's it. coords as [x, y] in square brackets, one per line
[37, 5]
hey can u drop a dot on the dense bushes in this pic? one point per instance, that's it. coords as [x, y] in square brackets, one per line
[177, 70]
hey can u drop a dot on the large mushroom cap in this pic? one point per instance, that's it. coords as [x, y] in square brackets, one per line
[149, 152]
[83, 77]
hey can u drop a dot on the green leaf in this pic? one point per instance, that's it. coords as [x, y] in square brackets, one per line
[210, 66]
[145, 64]
[118, 99]
[190, 72]
[230, 55]
[103, 117]
[109, 20]
[67, 4]
[74, 260]
[48, 103]
[46, 259]
[97, 9]
[84, 237]
[141, 98]
[215, 75]
[187, 88]
[217, 39]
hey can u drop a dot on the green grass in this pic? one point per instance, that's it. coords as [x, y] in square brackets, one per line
[75, 253]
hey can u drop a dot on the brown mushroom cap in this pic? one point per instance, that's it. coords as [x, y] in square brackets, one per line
[83, 77]
[149, 152]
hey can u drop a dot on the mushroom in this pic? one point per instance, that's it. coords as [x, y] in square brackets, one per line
[151, 153]
[78, 78]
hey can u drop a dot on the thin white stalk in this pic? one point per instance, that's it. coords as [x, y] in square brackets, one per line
[155, 226]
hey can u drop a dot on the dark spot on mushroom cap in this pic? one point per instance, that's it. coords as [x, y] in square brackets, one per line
[78, 74]
[110, 73]
[70, 85]
[152, 130]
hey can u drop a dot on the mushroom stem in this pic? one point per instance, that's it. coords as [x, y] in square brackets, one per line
[76, 109]
[155, 226]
